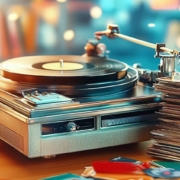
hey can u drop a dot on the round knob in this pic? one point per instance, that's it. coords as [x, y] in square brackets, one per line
[71, 126]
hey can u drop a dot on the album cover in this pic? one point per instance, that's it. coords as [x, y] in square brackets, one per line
[151, 152]
[68, 176]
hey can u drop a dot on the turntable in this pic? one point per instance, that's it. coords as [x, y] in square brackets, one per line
[60, 104]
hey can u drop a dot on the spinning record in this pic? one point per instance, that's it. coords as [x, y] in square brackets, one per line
[74, 76]
[63, 70]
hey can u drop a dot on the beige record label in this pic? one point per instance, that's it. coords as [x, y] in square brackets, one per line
[66, 66]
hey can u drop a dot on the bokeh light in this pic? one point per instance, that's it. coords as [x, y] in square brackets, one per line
[68, 35]
[61, 1]
[95, 12]
[50, 14]
[151, 25]
[178, 42]
[13, 16]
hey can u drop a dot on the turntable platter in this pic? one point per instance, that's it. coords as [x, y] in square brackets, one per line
[77, 76]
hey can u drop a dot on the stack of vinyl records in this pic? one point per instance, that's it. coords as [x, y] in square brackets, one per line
[167, 134]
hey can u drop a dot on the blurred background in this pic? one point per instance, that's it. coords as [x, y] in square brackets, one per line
[58, 27]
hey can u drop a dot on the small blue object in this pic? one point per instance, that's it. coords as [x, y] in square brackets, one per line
[68, 176]
[162, 173]
[39, 97]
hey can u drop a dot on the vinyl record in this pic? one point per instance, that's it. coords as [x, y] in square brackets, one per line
[63, 70]
[78, 77]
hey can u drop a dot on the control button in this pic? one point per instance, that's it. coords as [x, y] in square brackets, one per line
[71, 126]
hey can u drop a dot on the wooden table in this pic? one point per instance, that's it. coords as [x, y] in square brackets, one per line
[14, 165]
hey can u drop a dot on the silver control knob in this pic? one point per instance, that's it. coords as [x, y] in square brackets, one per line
[71, 126]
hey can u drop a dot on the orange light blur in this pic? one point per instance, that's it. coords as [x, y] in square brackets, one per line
[164, 4]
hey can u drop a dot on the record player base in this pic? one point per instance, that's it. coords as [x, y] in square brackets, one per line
[27, 138]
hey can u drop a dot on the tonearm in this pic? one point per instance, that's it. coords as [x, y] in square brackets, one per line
[168, 56]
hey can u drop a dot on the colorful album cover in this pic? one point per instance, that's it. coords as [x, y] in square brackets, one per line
[67, 176]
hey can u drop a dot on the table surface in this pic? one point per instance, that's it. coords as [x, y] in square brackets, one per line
[14, 165]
